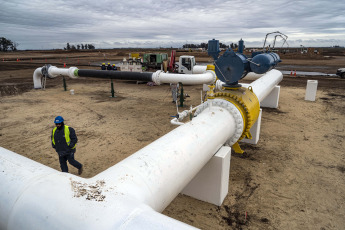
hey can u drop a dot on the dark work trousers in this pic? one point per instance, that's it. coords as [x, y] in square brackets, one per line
[70, 158]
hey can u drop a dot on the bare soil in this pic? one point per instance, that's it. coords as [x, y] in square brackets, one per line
[292, 179]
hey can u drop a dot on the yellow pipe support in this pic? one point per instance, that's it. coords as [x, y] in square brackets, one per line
[246, 102]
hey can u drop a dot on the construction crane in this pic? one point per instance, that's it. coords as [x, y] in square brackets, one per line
[283, 36]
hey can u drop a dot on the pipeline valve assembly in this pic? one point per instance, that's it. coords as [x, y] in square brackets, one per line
[233, 66]
[230, 68]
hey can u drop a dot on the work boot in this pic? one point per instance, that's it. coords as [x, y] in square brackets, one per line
[80, 171]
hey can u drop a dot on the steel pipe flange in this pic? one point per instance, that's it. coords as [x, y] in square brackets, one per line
[232, 110]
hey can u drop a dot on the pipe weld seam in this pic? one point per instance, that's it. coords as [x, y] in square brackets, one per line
[155, 77]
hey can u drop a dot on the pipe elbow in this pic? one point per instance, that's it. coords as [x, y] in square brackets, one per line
[37, 78]
[175, 121]
[213, 76]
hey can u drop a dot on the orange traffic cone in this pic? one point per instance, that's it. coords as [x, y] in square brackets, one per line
[295, 73]
[291, 73]
[64, 65]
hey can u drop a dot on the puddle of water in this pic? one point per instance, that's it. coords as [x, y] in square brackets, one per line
[280, 66]
[308, 73]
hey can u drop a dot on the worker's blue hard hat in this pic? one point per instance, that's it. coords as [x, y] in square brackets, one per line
[58, 119]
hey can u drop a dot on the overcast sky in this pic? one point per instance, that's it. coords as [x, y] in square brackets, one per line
[50, 24]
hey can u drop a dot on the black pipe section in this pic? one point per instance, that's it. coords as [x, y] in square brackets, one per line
[131, 76]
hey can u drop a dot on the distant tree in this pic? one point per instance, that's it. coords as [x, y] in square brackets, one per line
[90, 46]
[6, 44]
[204, 45]
[73, 47]
[78, 47]
[68, 47]
[82, 46]
[221, 45]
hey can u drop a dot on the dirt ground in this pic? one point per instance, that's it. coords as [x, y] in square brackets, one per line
[292, 179]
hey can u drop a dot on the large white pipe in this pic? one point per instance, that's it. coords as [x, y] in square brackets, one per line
[162, 169]
[53, 72]
[263, 86]
[208, 77]
[197, 69]
[252, 76]
[37, 197]
[34, 196]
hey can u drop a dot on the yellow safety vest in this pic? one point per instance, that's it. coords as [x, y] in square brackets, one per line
[68, 139]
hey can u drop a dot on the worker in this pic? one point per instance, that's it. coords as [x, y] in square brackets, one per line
[109, 67]
[114, 67]
[103, 66]
[64, 142]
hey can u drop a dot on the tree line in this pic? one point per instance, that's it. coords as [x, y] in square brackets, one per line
[205, 46]
[6, 45]
[79, 46]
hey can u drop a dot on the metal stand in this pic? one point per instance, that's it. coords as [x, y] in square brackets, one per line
[44, 82]
[181, 95]
[64, 83]
[112, 89]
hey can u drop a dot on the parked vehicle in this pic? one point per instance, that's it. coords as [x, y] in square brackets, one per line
[155, 60]
[341, 72]
[186, 64]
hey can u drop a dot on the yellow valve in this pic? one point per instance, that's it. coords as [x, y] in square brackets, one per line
[246, 102]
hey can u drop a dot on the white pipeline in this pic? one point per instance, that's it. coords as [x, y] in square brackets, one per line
[263, 85]
[197, 69]
[208, 77]
[252, 76]
[52, 72]
[159, 77]
[156, 174]
[36, 197]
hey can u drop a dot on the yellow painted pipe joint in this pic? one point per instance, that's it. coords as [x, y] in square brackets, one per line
[246, 102]
[210, 67]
